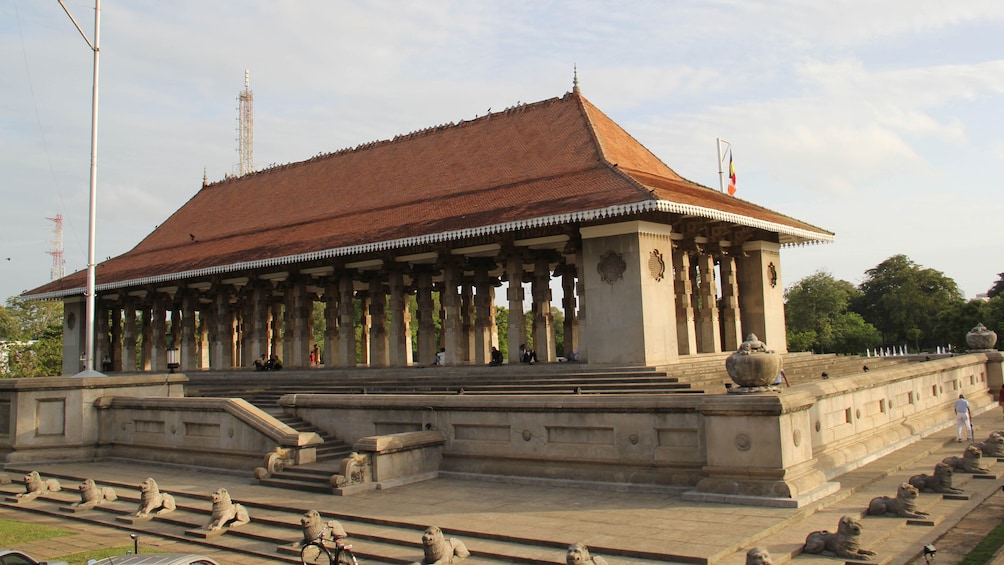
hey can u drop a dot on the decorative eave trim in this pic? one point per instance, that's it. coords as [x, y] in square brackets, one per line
[798, 235]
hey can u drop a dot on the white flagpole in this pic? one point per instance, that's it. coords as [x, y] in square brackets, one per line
[721, 161]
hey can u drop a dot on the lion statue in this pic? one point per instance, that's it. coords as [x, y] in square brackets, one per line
[845, 543]
[758, 556]
[34, 486]
[940, 482]
[993, 446]
[439, 550]
[970, 462]
[226, 513]
[903, 506]
[92, 495]
[315, 527]
[578, 554]
[152, 501]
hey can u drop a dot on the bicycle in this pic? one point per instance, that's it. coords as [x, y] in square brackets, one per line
[312, 550]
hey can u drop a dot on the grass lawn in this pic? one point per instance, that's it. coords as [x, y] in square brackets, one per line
[13, 533]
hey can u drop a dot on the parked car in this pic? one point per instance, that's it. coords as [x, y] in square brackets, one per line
[15, 557]
[156, 559]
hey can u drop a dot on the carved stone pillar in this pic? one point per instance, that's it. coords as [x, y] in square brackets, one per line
[762, 298]
[116, 336]
[275, 329]
[332, 355]
[221, 336]
[517, 320]
[378, 342]
[465, 350]
[146, 331]
[708, 331]
[568, 303]
[484, 313]
[102, 340]
[732, 335]
[189, 348]
[363, 296]
[543, 321]
[296, 342]
[347, 334]
[258, 311]
[581, 322]
[449, 299]
[202, 336]
[158, 325]
[129, 334]
[400, 321]
[426, 322]
[686, 327]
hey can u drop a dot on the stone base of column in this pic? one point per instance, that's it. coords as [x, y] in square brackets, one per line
[788, 488]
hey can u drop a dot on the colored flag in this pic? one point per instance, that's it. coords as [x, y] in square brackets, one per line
[732, 176]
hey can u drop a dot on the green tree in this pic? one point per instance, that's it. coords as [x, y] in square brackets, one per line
[33, 334]
[998, 287]
[817, 317]
[901, 298]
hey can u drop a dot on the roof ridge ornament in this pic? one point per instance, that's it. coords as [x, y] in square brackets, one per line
[575, 79]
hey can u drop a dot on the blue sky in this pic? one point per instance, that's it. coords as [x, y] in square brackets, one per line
[879, 121]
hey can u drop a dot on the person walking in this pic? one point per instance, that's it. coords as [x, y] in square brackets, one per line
[963, 419]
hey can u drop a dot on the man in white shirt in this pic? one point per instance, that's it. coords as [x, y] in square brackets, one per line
[963, 418]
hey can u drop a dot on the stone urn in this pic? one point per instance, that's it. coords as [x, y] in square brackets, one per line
[981, 338]
[753, 366]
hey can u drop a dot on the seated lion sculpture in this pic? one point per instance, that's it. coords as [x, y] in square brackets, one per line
[34, 486]
[92, 495]
[940, 482]
[993, 446]
[758, 556]
[903, 506]
[578, 554]
[845, 543]
[226, 513]
[315, 527]
[439, 550]
[152, 501]
[970, 462]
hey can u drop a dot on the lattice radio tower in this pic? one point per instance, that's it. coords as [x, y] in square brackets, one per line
[58, 263]
[245, 128]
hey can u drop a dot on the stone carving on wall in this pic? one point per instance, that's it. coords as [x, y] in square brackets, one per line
[92, 495]
[226, 512]
[981, 339]
[152, 501]
[940, 482]
[993, 446]
[970, 462]
[578, 554]
[439, 550]
[611, 267]
[35, 486]
[656, 265]
[903, 506]
[315, 527]
[356, 469]
[753, 367]
[758, 556]
[844, 543]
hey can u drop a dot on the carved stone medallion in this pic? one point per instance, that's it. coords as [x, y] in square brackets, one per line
[611, 267]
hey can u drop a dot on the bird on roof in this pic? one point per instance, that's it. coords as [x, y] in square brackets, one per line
[826, 375]
[866, 368]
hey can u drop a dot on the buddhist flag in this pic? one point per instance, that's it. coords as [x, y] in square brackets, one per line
[732, 176]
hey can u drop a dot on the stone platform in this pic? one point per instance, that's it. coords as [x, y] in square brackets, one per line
[503, 522]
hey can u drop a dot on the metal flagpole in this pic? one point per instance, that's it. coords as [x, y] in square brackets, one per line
[89, 324]
[721, 159]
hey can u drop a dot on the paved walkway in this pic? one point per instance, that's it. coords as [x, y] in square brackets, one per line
[602, 518]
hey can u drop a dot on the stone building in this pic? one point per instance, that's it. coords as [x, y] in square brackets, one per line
[654, 268]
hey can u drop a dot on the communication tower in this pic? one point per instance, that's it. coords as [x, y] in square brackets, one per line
[58, 263]
[245, 128]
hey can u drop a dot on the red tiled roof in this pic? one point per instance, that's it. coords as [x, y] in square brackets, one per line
[555, 157]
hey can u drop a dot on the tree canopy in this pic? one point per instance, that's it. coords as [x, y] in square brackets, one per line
[818, 319]
[32, 332]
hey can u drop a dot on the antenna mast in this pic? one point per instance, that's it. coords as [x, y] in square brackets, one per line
[58, 263]
[245, 128]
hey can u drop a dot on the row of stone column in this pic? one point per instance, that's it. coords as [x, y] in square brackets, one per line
[232, 322]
